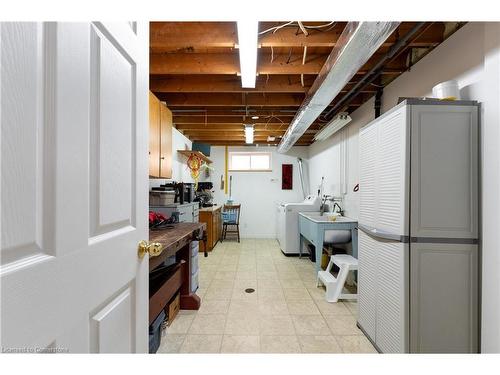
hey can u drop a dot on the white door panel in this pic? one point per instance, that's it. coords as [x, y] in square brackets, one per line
[367, 284]
[392, 175]
[74, 186]
[368, 140]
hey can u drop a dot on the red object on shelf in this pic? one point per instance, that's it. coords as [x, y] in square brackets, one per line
[155, 217]
[286, 176]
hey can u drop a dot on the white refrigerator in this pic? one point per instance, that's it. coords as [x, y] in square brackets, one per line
[418, 226]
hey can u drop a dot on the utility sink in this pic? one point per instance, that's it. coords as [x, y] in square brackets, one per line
[331, 234]
[327, 229]
[327, 218]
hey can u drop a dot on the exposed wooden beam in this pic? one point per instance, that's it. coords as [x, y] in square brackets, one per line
[189, 36]
[228, 63]
[288, 37]
[242, 143]
[232, 112]
[226, 120]
[238, 126]
[223, 63]
[183, 36]
[230, 83]
[228, 100]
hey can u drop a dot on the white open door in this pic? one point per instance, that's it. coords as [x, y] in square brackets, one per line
[74, 183]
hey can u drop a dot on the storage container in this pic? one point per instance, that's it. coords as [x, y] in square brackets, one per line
[155, 332]
[446, 90]
[194, 282]
[173, 308]
[194, 264]
[195, 246]
[161, 198]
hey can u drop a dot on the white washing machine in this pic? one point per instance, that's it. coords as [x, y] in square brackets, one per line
[287, 232]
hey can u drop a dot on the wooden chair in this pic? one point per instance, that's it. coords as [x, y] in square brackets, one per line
[231, 219]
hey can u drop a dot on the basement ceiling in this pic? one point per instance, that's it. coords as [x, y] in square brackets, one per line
[194, 69]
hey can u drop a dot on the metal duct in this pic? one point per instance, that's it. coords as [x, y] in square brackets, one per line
[357, 43]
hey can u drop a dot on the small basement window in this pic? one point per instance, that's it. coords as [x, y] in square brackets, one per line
[250, 161]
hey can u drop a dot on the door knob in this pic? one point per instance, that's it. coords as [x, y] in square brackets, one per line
[152, 248]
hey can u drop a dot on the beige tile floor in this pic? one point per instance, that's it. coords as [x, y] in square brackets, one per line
[285, 314]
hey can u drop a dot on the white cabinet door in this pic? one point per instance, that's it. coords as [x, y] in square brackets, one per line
[367, 284]
[74, 128]
[444, 168]
[368, 140]
[393, 172]
[392, 296]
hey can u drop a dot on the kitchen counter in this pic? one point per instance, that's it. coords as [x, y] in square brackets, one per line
[210, 209]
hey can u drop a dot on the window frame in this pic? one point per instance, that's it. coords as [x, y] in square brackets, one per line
[250, 153]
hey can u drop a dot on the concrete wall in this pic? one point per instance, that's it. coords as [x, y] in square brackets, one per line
[472, 57]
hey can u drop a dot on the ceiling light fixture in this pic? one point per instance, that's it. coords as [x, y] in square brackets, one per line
[247, 43]
[249, 134]
[341, 120]
[255, 117]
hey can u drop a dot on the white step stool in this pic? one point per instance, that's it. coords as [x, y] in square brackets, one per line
[334, 285]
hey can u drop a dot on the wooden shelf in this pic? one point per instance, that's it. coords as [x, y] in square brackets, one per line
[188, 153]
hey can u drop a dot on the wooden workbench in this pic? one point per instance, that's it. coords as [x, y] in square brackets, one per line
[176, 242]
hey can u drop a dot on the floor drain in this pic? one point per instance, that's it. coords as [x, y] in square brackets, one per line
[249, 290]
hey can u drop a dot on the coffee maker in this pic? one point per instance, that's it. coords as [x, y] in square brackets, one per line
[184, 193]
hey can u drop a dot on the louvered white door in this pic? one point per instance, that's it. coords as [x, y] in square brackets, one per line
[392, 197]
[367, 284]
[368, 139]
[74, 186]
[392, 296]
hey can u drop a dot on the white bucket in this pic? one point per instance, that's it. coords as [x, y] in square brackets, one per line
[446, 90]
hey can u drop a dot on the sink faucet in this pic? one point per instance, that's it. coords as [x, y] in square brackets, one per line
[341, 211]
[323, 204]
[335, 201]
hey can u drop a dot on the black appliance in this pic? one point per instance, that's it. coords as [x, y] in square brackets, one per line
[184, 193]
[206, 185]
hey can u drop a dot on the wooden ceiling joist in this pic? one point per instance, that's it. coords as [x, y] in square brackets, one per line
[230, 83]
[194, 68]
[225, 120]
[224, 63]
[231, 100]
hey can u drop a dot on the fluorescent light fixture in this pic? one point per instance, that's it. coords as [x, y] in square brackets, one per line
[247, 42]
[341, 120]
[248, 133]
[255, 117]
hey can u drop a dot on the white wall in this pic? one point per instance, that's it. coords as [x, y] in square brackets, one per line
[472, 57]
[258, 192]
[180, 171]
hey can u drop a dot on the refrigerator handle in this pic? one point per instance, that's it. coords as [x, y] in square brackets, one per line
[382, 235]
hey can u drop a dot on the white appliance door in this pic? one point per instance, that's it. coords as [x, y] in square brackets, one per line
[384, 173]
[74, 128]
[383, 292]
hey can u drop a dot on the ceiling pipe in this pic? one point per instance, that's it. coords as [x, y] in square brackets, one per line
[374, 72]
[357, 43]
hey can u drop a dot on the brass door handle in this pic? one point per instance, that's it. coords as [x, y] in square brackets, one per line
[152, 248]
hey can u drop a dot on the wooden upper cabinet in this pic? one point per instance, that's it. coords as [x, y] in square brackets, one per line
[165, 142]
[160, 139]
[154, 136]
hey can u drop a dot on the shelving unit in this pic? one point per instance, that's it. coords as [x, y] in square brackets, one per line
[188, 153]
